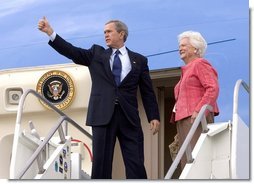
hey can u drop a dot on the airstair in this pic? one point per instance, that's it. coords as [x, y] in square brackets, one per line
[50, 157]
[221, 152]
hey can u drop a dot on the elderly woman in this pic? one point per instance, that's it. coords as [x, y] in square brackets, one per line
[198, 86]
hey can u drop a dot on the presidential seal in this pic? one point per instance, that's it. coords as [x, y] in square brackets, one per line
[57, 87]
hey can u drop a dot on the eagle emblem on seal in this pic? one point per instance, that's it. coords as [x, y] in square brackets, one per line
[55, 90]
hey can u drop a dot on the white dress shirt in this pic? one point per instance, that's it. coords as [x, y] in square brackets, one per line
[125, 60]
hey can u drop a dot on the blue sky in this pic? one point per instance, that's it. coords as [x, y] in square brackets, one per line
[153, 26]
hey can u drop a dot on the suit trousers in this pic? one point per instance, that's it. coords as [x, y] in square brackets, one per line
[131, 141]
[183, 127]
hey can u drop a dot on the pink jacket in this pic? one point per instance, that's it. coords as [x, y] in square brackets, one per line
[198, 86]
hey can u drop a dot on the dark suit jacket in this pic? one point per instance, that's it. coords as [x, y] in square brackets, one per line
[104, 90]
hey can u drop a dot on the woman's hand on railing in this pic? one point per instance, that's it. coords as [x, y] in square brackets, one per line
[193, 117]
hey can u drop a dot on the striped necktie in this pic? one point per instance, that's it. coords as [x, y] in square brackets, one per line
[117, 68]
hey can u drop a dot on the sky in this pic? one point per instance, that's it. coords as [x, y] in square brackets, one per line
[153, 29]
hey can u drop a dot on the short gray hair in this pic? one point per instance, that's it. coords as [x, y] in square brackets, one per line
[120, 26]
[196, 40]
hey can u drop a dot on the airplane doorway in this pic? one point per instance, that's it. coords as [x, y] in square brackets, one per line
[165, 80]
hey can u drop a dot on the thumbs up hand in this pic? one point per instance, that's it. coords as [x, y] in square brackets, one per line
[44, 26]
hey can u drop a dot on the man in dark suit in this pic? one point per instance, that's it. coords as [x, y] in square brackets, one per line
[113, 106]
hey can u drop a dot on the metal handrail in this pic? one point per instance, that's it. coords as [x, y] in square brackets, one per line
[57, 126]
[236, 93]
[234, 124]
[21, 104]
[200, 118]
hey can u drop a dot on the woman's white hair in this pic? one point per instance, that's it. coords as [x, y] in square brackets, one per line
[196, 40]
